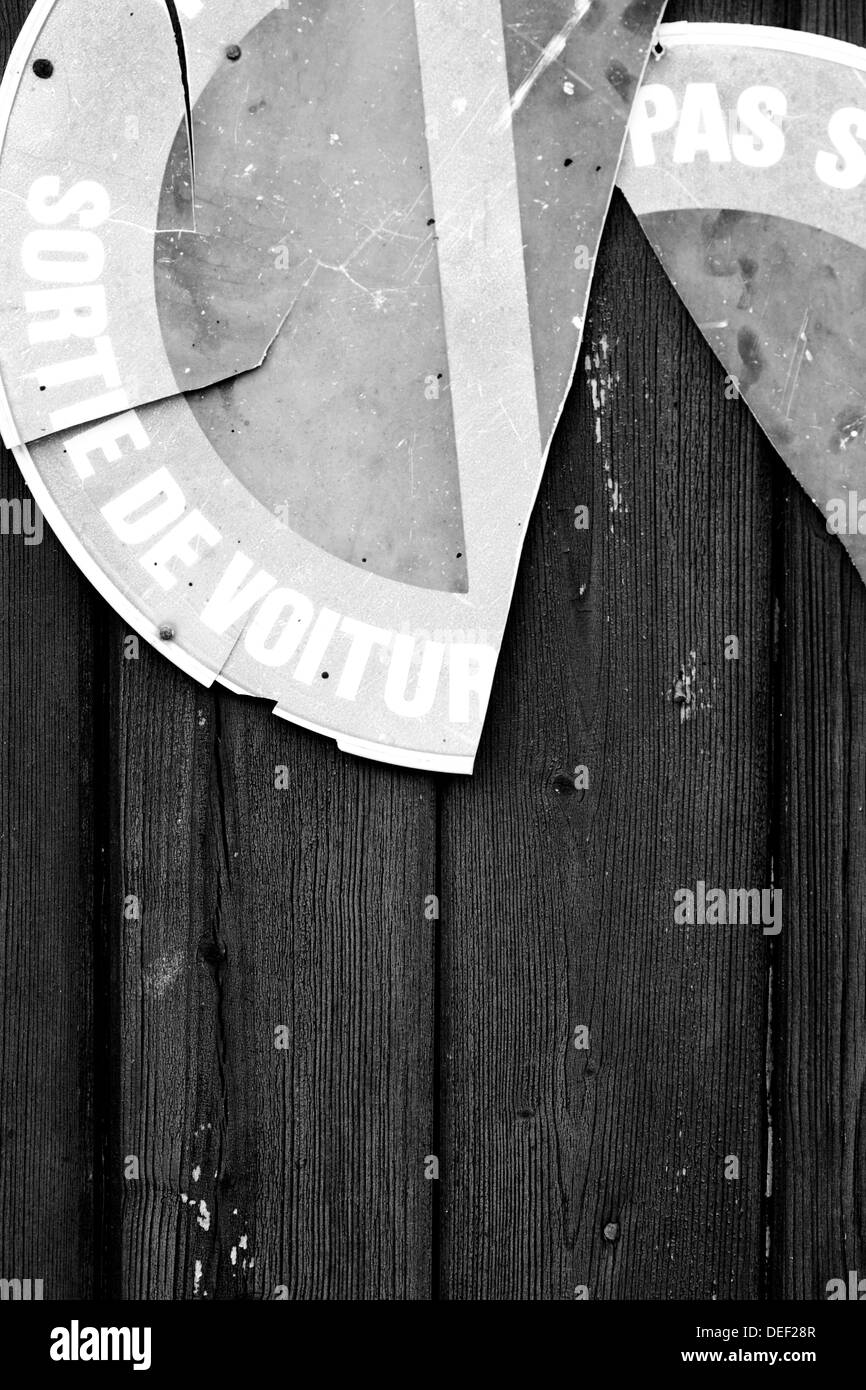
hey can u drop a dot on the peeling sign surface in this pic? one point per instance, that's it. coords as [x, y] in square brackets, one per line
[746, 169]
[297, 319]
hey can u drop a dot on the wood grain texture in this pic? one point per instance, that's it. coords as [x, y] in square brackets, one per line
[819, 1208]
[559, 903]
[301, 1168]
[606, 1169]
[512, 1188]
[46, 916]
[151, 1036]
[50, 1191]
[47, 769]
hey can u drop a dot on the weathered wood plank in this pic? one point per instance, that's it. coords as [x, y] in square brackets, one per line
[606, 1168]
[819, 1016]
[50, 762]
[305, 907]
[227, 908]
[261, 909]
[819, 1208]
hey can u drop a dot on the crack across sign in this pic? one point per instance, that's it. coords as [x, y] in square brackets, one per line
[384, 290]
[176, 25]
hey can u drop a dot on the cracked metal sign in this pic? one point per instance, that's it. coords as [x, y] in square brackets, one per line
[293, 298]
[747, 168]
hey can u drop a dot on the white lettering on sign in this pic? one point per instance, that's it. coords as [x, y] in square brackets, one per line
[471, 669]
[284, 626]
[67, 257]
[232, 598]
[310, 665]
[87, 198]
[847, 167]
[426, 681]
[104, 439]
[281, 624]
[760, 141]
[364, 638]
[702, 127]
[146, 508]
[183, 542]
[654, 111]
[75, 313]
[755, 137]
[276, 631]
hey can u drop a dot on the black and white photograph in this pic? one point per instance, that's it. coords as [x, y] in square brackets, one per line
[432, 672]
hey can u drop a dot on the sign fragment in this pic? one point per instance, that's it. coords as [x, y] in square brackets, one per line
[301, 337]
[747, 169]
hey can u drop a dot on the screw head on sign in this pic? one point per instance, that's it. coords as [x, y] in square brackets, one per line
[611, 1231]
[43, 67]
[166, 632]
[233, 52]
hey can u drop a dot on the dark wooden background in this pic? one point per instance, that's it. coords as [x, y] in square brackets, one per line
[559, 1167]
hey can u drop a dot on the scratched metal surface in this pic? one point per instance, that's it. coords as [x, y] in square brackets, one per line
[794, 335]
[320, 186]
[767, 249]
[331, 170]
[153, 1036]
[346, 443]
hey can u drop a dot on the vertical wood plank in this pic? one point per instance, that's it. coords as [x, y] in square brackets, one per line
[48, 768]
[271, 1171]
[819, 1206]
[50, 1189]
[604, 1169]
[305, 908]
